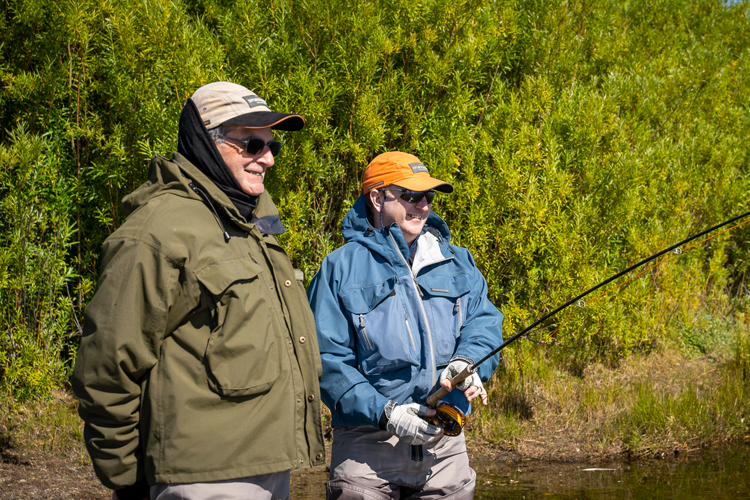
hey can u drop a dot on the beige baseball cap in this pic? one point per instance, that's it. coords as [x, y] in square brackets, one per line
[225, 103]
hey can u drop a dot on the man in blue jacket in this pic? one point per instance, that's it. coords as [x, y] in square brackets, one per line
[399, 311]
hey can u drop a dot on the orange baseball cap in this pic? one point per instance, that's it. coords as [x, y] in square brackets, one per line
[402, 170]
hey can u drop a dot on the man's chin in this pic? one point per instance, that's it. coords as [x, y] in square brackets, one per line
[254, 189]
[414, 228]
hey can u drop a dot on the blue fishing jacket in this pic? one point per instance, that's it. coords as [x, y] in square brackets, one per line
[387, 330]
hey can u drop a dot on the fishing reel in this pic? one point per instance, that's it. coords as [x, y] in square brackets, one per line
[448, 417]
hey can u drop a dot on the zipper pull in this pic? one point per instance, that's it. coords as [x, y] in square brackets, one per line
[457, 308]
[364, 332]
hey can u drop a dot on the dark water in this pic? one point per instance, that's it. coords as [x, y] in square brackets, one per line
[717, 474]
[720, 474]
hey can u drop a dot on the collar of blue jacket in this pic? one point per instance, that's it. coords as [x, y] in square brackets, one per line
[356, 228]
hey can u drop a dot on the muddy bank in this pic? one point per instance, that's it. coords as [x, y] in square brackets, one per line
[25, 475]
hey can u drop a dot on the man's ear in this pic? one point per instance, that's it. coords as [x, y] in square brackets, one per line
[376, 199]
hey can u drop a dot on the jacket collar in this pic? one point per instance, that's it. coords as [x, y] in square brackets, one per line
[265, 216]
[356, 228]
[428, 252]
[174, 176]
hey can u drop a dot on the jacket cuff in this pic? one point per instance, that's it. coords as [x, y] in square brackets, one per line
[137, 491]
[386, 415]
[465, 359]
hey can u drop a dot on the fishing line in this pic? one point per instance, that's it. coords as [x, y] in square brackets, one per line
[676, 249]
[575, 300]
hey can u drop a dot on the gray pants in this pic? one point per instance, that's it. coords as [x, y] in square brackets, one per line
[367, 463]
[266, 487]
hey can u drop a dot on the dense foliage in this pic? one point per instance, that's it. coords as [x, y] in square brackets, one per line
[580, 136]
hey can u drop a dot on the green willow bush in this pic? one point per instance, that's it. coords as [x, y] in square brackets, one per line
[36, 302]
[580, 137]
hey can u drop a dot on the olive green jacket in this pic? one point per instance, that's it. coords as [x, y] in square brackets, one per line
[199, 358]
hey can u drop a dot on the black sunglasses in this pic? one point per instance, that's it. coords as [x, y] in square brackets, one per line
[415, 196]
[255, 145]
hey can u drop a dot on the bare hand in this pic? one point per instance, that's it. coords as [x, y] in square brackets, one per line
[474, 391]
[447, 384]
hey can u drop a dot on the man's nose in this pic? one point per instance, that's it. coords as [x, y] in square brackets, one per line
[266, 157]
[423, 204]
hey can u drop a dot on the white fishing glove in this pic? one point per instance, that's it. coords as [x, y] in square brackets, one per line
[454, 368]
[405, 422]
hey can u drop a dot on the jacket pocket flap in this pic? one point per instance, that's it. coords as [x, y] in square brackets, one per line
[446, 286]
[362, 300]
[239, 367]
[217, 276]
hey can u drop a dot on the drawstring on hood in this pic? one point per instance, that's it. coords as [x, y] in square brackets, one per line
[199, 192]
[194, 143]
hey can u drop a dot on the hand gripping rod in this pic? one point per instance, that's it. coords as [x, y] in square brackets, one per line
[469, 370]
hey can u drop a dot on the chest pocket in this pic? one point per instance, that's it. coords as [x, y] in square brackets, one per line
[243, 353]
[386, 340]
[445, 299]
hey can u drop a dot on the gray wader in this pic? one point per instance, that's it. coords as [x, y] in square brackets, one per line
[368, 463]
[265, 487]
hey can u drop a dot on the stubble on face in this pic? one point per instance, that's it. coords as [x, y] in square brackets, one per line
[249, 170]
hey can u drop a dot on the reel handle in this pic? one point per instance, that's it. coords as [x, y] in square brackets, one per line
[436, 396]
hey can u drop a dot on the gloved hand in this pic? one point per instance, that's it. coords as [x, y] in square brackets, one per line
[405, 422]
[471, 386]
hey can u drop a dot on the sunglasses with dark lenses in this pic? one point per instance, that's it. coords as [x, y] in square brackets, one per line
[255, 145]
[415, 196]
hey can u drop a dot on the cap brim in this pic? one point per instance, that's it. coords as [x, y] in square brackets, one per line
[265, 119]
[424, 183]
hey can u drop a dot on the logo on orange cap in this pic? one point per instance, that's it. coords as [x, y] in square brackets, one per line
[403, 170]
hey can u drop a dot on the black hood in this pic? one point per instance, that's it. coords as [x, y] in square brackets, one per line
[194, 143]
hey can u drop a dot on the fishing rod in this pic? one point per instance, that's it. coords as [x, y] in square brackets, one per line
[452, 420]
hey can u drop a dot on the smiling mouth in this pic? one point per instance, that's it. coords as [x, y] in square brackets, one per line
[413, 217]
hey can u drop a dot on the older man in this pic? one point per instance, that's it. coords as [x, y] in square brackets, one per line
[198, 369]
[399, 310]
